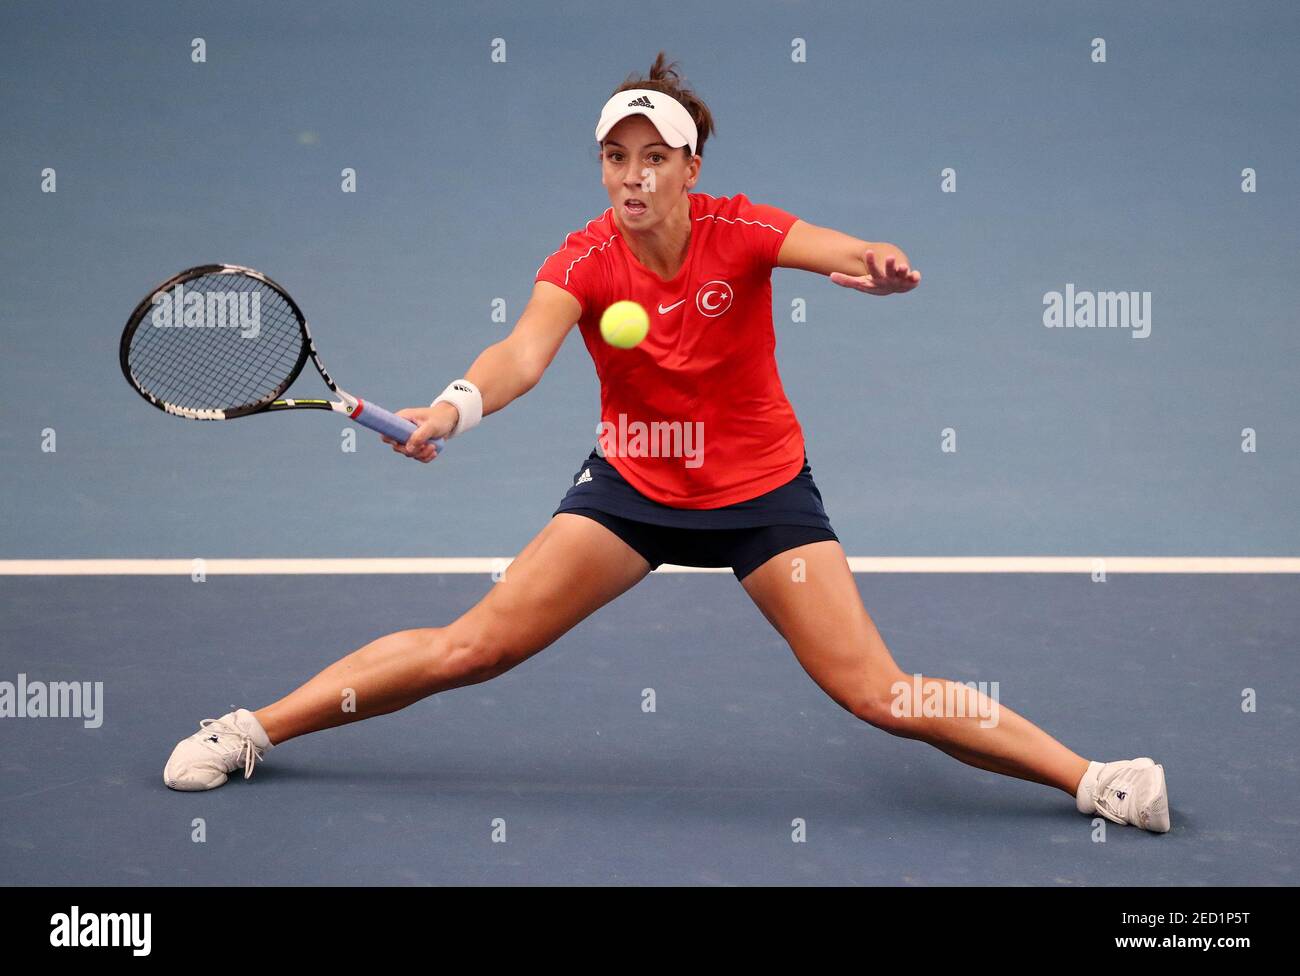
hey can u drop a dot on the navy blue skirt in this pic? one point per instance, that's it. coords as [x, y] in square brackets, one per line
[742, 536]
[597, 484]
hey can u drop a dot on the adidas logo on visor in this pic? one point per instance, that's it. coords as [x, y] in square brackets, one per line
[641, 102]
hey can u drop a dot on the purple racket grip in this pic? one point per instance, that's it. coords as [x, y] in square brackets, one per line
[389, 424]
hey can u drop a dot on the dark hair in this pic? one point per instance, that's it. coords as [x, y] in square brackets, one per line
[664, 78]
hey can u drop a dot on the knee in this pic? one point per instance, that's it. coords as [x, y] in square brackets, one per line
[883, 705]
[465, 655]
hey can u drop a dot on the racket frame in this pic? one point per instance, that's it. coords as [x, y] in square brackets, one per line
[366, 414]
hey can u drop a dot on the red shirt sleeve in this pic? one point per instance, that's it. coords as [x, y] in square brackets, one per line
[764, 228]
[578, 268]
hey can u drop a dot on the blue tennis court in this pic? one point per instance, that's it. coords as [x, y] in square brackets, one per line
[587, 788]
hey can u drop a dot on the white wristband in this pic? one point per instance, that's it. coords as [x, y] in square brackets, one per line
[468, 401]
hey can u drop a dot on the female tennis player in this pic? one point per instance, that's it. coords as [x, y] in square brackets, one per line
[700, 461]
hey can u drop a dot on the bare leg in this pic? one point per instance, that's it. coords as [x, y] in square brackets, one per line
[573, 567]
[837, 643]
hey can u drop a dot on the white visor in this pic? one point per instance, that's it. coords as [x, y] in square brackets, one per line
[667, 115]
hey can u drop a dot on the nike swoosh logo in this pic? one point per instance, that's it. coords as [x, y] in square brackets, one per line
[665, 311]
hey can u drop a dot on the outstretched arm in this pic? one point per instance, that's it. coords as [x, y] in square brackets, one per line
[874, 268]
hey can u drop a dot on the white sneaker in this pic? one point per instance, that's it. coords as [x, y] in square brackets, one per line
[221, 746]
[1131, 791]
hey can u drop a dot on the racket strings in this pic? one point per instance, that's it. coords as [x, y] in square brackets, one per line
[208, 379]
[214, 365]
[237, 377]
[222, 368]
[182, 369]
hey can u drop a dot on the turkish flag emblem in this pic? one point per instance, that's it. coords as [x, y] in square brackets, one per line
[714, 298]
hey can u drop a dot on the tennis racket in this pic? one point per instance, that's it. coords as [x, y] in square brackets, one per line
[220, 341]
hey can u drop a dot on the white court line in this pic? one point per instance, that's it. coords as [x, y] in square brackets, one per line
[487, 565]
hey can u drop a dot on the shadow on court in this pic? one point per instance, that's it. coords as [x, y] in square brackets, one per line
[561, 760]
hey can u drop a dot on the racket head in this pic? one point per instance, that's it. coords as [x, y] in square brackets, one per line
[228, 354]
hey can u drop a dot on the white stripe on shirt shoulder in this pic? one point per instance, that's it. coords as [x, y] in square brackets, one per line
[590, 251]
[735, 220]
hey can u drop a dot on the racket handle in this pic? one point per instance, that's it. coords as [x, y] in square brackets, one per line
[389, 424]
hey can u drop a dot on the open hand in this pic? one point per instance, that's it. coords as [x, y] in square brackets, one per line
[893, 278]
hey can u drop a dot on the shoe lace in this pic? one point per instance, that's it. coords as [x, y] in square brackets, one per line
[249, 754]
[1115, 799]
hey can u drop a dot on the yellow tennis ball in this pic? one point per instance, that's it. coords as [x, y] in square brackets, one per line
[624, 324]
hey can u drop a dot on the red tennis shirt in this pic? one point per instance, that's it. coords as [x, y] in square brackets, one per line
[695, 416]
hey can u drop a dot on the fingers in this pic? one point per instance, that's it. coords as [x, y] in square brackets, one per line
[873, 267]
[895, 272]
[899, 273]
[416, 447]
[891, 277]
[419, 447]
[862, 283]
[882, 277]
[424, 453]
